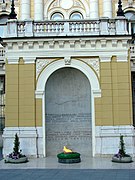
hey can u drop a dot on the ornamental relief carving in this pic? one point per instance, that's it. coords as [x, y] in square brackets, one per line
[94, 63]
[42, 63]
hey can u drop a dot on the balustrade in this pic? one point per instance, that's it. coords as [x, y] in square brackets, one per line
[48, 27]
[69, 27]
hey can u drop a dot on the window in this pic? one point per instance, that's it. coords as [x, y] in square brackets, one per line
[76, 16]
[131, 16]
[57, 16]
[3, 20]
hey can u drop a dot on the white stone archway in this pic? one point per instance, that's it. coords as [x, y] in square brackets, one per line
[87, 71]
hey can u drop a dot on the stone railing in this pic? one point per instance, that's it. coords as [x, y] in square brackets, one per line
[67, 28]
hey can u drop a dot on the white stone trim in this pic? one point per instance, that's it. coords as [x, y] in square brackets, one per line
[122, 58]
[108, 138]
[30, 138]
[95, 87]
[105, 141]
[114, 130]
[25, 9]
[43, 123]
[94, 63]
[39, 94]
[94, 9]
[38, 10]
[27, 60]
[83, 67]
[13, 61]
[105, 58]
[107, 8]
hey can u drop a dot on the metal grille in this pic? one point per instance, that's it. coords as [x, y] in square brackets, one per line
[2, 111]
[133, 96]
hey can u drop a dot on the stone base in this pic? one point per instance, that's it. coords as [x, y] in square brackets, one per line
[126, 159]
[108, 137]
[31, 140]
[105, 143]
[69, 161]
[16, 161]
[69, 158]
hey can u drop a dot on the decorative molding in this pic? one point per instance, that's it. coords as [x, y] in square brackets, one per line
[20, 45]
[10, 45]
[106, 45]
[105, 58]
[54, 5]
[67, 60]
[41, 64]
[130, 2]
[94, 63]
[114, 43]
[61, 44]
[103, 43]
[30, 45]
[124, 43]
[29, 60]
[114, 131]
[122, 58]
[39, 94]
[51, 44]
[93, 43]
[82, 43]
[96, 93]
[4, 7]
[72, 43]
[78, 4]
[40, 44]
[13, 60]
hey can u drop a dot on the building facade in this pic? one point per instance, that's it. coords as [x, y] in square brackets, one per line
[68, 76]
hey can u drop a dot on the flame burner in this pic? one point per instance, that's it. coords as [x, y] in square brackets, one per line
[68, 156]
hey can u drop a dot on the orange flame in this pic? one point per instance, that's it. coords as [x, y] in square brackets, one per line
[66, 150]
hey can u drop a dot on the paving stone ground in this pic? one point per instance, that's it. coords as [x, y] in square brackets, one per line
[49, 169]
[67, 174]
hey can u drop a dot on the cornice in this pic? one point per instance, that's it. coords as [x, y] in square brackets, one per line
[79, 43]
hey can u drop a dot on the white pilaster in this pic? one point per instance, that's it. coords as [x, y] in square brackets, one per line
[38, 10]
[107, 8]
[25, 9]
[94, 9]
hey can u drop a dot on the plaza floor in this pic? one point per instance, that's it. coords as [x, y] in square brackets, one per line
[49, 169]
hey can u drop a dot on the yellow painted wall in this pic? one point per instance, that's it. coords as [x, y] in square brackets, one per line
[20, 95]
[32, 9]
[113, 108]
[38, 112]
[11, 112]
[100, 8]
[26, 94]
[115, 105]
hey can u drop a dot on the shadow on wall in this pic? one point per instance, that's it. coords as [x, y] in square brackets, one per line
[1, 154]
[1, 147]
